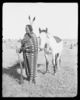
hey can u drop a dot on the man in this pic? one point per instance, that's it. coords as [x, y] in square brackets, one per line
[29, 47]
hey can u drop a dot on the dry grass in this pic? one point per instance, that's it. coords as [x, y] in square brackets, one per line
[63, 84]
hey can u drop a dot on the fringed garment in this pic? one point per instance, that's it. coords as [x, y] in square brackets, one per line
[30, 52]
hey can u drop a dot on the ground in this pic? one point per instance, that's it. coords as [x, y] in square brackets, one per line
[62, 84]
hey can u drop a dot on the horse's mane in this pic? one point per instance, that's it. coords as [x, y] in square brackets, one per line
[57, 39]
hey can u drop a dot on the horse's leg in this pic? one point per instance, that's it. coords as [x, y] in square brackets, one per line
[57, 61]
[47, 63]
[53, 63]
[60, 60]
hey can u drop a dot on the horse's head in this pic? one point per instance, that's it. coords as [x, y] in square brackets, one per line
[43, 38]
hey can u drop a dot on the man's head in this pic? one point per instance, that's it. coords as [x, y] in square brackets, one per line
[29, 29]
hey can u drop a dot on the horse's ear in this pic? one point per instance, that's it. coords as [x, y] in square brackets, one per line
[39, 30]
[29, 18]
[46, 29]
[34, 19]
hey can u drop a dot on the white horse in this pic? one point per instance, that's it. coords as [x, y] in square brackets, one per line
[55, 44]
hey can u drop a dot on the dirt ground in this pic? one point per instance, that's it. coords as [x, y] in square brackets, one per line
[62, 84]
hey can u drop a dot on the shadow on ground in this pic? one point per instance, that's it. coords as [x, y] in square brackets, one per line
[12, 71]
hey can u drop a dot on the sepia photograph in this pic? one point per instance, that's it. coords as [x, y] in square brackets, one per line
[39, 49]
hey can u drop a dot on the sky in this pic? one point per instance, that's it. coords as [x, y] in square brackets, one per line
[61, 19]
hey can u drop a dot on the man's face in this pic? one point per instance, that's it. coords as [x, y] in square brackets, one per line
[27, 30]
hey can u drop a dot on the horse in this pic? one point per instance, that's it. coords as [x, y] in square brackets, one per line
[55, 45]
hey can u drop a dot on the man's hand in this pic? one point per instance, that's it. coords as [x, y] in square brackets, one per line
[18, 50]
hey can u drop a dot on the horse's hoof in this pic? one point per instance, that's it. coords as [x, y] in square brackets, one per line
[42, 71]
[53, 73]
[21, 82]
[47, 71]
[33, 81]
[28, 78]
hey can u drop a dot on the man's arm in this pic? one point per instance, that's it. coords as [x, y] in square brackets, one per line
[22, 45]
[25, 46]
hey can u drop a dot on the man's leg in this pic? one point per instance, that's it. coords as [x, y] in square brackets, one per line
[26, 64]
[29, 65]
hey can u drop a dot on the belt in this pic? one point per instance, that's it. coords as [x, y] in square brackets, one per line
[29, 51]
